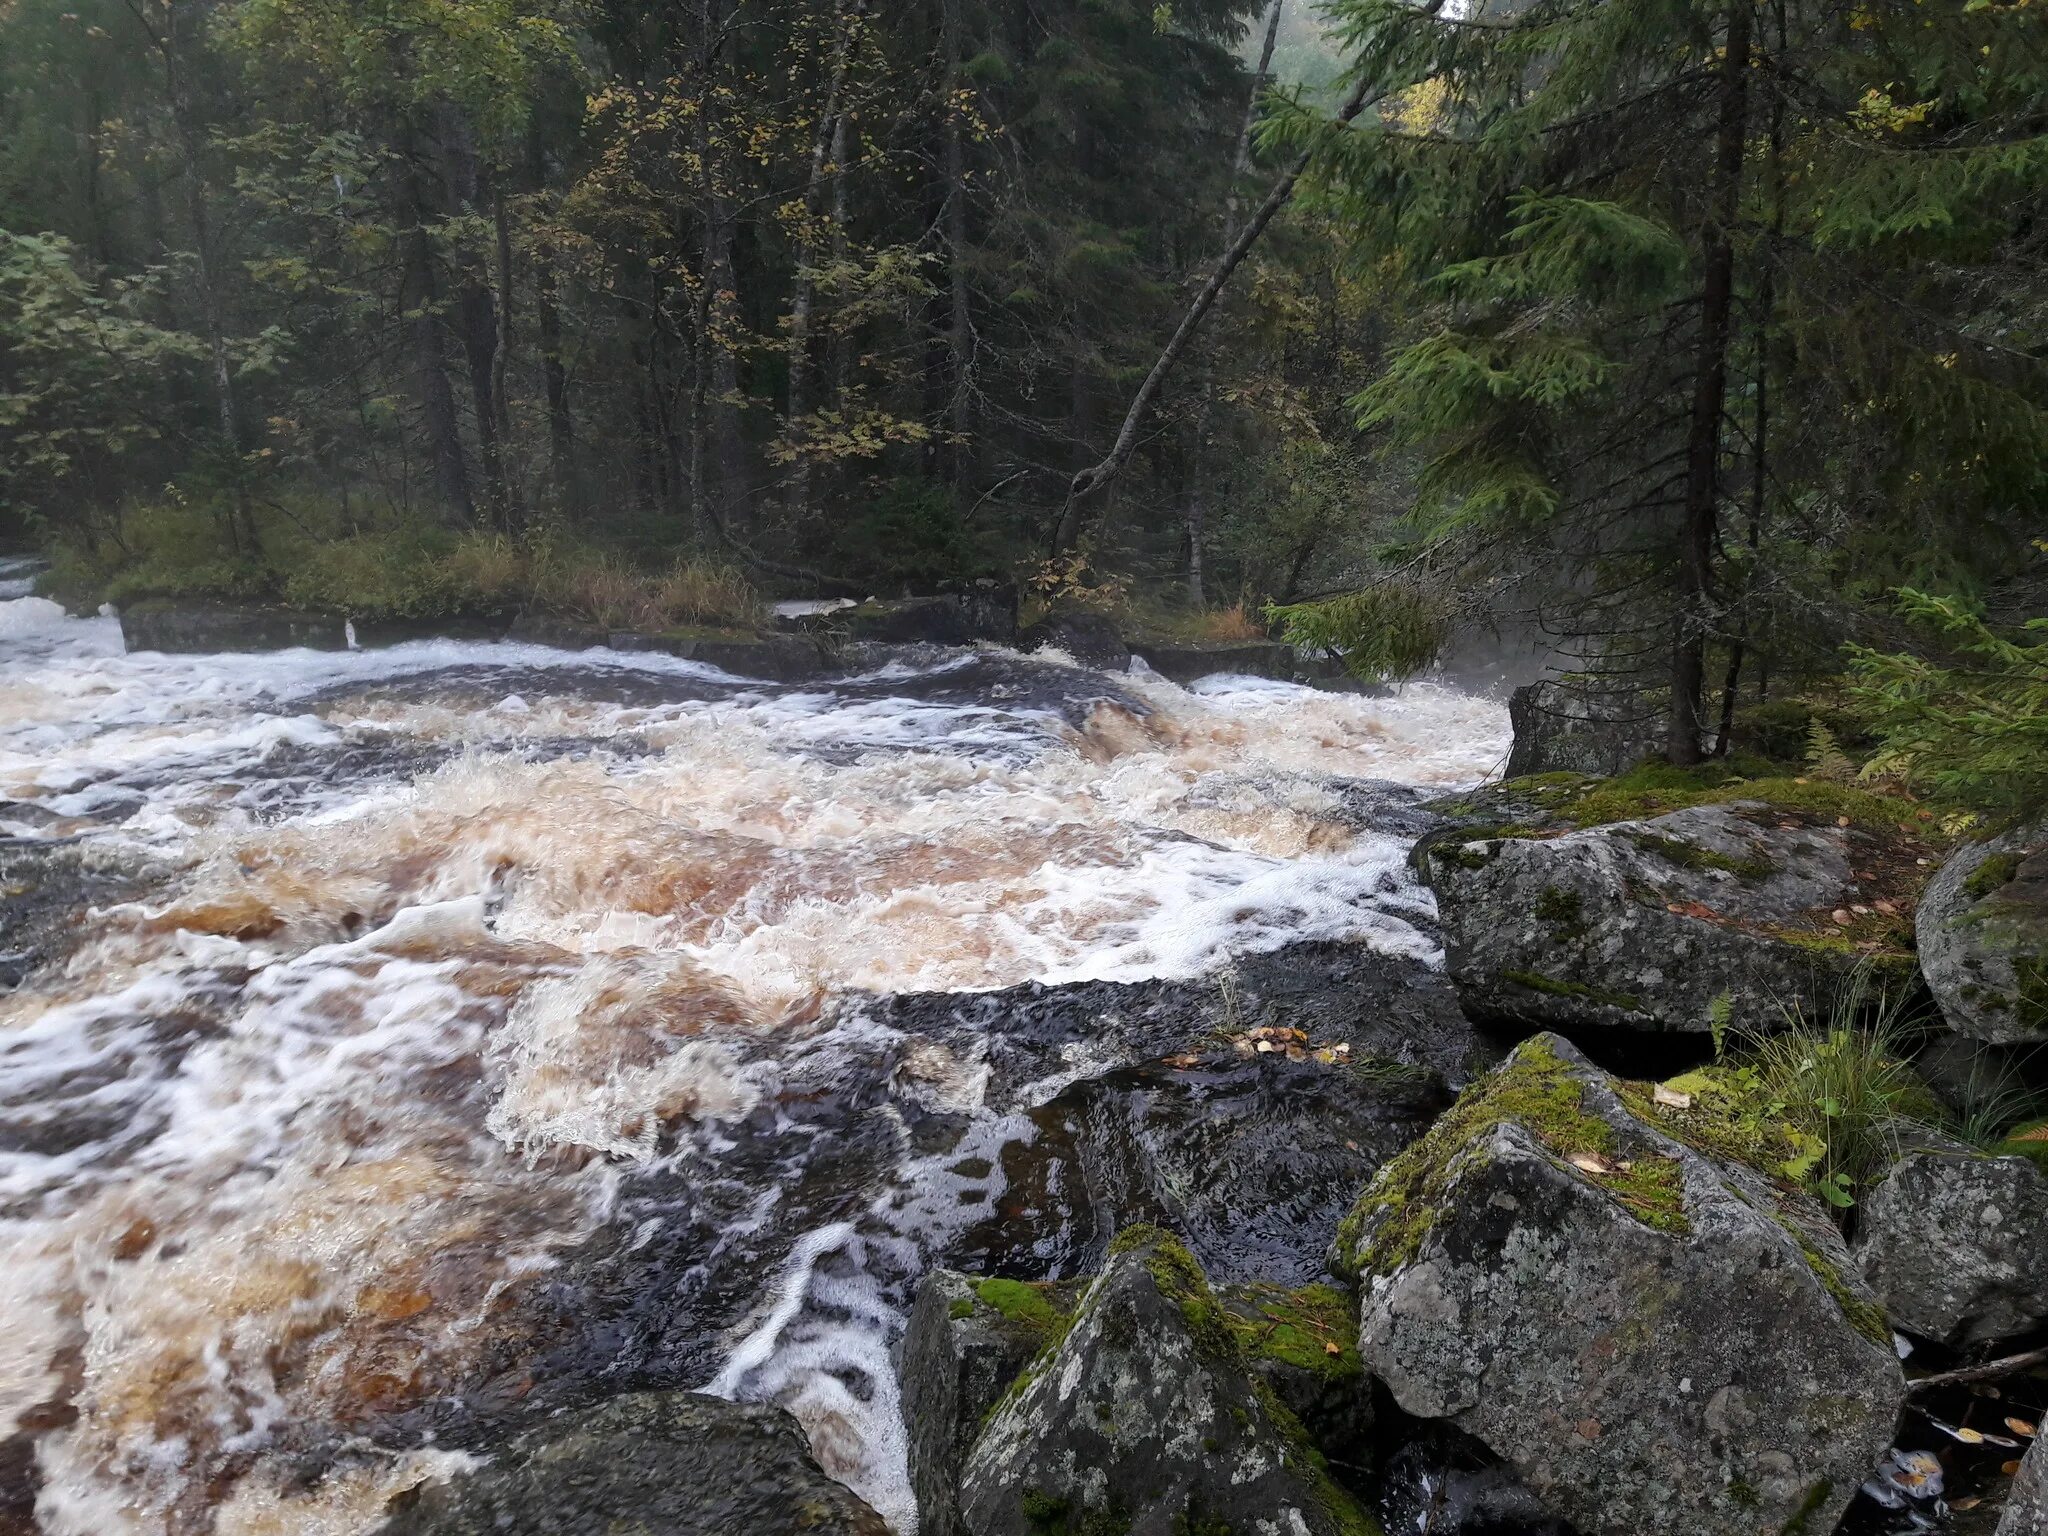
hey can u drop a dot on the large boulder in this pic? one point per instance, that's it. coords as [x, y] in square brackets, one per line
[1565, 728]
[646, 1464]
[2026, 1506]
[1253, 1155]
[1717, 912]
[1983, 937]
[1149, 1417]
[1654, 1338]
[1955, 1245]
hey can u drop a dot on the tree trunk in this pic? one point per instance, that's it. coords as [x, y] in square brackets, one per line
[722, 322]
[1695, 616]
[1196, 512]
[227, 411]
[476, 310]
[847, 19]
[960, 327]
[554, 374]
[420, 298]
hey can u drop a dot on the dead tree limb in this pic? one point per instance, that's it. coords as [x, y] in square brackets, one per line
[1097, 477]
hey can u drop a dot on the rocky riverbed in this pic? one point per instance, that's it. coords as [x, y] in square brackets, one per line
[484, 1086]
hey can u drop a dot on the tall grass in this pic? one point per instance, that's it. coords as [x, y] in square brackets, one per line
[1845, 1080]
[308, 555]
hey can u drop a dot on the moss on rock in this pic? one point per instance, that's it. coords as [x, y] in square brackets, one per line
[1538, 1090]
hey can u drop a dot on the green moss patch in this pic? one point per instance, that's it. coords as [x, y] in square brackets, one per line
[1993, 873]
[1312, 1329]
[1690, 856]
[1024, 1303]
[1537, 1089]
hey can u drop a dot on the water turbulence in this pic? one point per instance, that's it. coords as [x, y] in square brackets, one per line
[398, 1046]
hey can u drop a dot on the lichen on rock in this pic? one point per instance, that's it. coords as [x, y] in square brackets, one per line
[1653, 1337]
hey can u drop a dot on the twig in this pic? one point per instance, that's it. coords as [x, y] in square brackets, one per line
[1991, 1370]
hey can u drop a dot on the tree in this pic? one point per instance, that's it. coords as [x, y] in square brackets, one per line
[1635, 217]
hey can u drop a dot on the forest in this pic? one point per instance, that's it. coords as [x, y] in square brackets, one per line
[1681, 343]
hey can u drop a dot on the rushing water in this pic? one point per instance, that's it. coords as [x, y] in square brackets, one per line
[460, 1028]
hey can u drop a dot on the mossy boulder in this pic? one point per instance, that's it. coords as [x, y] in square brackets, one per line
[1983, 934]
[1151, 1416]
[1653, 1336]
[1649, 923]
[646, 1464]
[1955, 1245]
[968, 1340]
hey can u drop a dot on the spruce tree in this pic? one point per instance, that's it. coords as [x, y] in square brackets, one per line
[1724, 290]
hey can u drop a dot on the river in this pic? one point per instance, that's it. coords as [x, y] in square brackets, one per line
[398, 1041]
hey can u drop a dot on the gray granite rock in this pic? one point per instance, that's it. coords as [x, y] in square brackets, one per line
[1955, 1245]
[2026, 1506]
[1983, 938]
[1149, 1419]
[1653, 1339]
[1644, 924]
[646, 1464]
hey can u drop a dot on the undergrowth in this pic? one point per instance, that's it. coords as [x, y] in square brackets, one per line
[310, 557]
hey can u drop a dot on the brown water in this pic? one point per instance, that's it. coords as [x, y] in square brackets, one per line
[480, 1026]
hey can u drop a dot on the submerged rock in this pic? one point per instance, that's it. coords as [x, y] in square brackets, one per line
[1090, 638]
[1648, 923]
[1653, 1338]
[646, 1464]
[1149, 1417]
[1983, 937]
[1955, 1245]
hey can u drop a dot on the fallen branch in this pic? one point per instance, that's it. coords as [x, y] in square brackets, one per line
[1097, 477]
[1991, 1370]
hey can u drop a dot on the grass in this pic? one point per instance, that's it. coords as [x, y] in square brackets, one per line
[308, 556]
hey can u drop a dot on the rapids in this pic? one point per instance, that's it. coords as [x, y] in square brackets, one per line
[408, 1040]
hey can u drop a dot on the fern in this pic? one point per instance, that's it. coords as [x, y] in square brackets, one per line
[1824, 758]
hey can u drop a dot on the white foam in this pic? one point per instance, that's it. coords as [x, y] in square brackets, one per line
[380, 1021]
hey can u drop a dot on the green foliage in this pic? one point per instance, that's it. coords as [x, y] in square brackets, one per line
[85, 369]
[1843, 1081]
[1971, 725]
[1384, 633]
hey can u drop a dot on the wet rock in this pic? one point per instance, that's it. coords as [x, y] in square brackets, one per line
[1983, 938]
[1645, 924]
[1954, 1244]
[968, 1340]
[1035, 1039]
[1560, 727]
[778, 658]
[1253, 1158]
[1653, 1338]
[1426, 1491]
[646, 1464]
[1148, 1418]
[985, 611]
[1090, 638]
[1247, 658]
[200, 627]
[2026, 1506]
